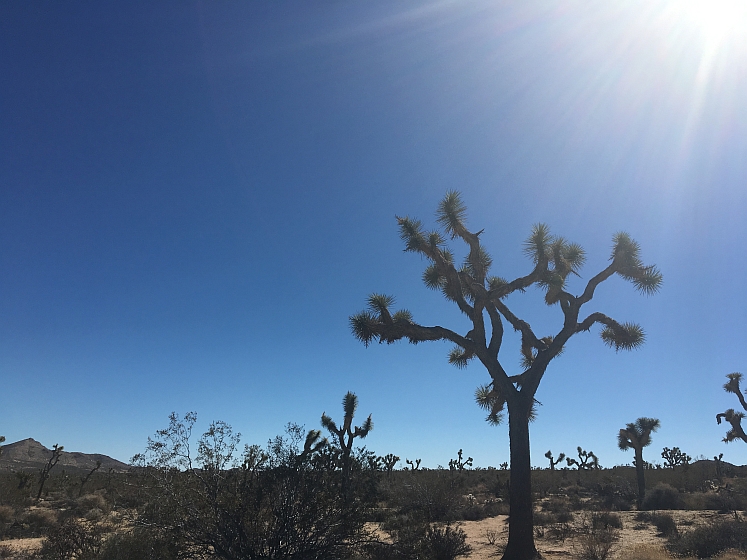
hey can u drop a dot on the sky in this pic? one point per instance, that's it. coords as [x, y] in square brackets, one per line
[196, 196]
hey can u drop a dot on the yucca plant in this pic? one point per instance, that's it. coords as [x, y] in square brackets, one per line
[732, 416]
[636, 436]
[483, 299]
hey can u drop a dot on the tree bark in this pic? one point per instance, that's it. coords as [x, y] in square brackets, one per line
[640, 476]
[521, 520]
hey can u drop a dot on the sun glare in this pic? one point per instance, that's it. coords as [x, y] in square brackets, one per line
[717, 19]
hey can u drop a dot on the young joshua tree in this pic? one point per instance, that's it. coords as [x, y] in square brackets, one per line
[483, 299]
[346, 433]
[732, 416]
[636, 436]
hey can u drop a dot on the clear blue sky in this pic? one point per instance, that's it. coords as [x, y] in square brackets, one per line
[195, 196]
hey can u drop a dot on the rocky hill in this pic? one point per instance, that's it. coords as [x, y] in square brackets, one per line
[29, 454]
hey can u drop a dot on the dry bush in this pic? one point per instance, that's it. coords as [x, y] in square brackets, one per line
[41, 518]
[712, 539]
[596, 545]
[92, 501]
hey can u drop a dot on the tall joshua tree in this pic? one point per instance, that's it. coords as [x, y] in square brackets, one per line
[636, 436]
[346, 433]
[483, 299]
[732, 416]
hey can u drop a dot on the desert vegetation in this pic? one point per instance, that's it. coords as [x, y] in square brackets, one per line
[209, 496]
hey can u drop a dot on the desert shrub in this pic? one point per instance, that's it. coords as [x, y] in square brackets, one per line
[724, 502]
[663, 522]
[561, 531]
[92, 501]
[284, 501]
[140, 544]
[596, 546]
[556, 505]
[710, 540]
[473, 512]
[565, 517]
[446, 543]
[39, 520]
[432, 497]
[492, 508]
[71, 540]
[663, 496]
[605, 520]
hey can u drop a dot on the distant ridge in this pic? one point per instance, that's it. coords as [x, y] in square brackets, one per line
[29, 454]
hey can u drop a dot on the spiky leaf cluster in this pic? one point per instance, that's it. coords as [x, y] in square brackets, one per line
[626, 257]
[637, 435]
[490, 398]
[623, 336]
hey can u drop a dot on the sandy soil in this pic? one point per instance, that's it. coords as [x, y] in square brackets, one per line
[633, 533]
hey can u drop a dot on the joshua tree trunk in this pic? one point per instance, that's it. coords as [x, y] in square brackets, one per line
[640, 476]
[521, 523]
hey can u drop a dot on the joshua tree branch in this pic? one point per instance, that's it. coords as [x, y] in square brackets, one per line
[594, 282]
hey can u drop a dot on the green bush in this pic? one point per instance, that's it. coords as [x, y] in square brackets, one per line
[663, 496]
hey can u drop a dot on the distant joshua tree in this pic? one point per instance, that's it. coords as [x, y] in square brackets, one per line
[346, 433]
[586, 460]
[2, 439]
[636, 436]
[53, 460]
[673, 457]
[553, 463]
[389, 460]
[458, 464]
[732, 416]
[413, 465]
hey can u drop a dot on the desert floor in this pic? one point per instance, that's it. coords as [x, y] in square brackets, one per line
[480, 533]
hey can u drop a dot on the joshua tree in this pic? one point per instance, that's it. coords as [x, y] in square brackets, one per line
[673, 457]
[586, 460]
[53, 460]
[483, 300]
[389, 461]
[458, 464]
[637, 436]
[413, 465]
[2, 439]
[719, 465]
[731, 416]
[346, 433]
[556, 461]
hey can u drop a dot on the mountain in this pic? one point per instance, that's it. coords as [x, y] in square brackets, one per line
[29, 454]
